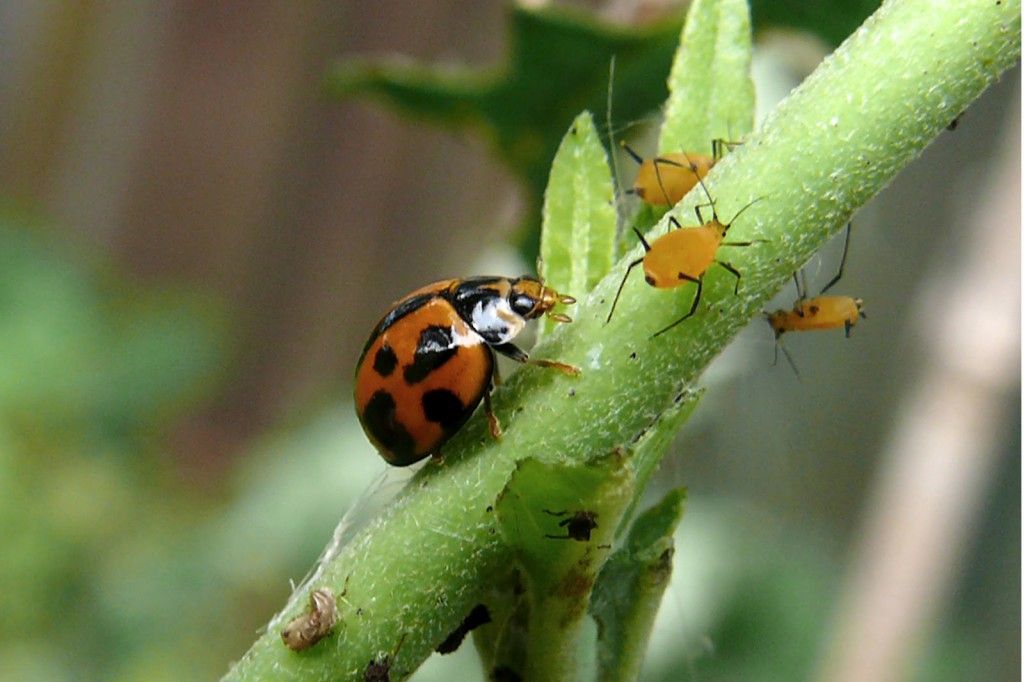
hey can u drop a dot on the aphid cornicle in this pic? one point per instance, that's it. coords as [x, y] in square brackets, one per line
[430, 361]
[683, 255]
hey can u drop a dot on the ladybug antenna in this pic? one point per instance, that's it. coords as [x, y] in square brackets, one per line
[555, 298]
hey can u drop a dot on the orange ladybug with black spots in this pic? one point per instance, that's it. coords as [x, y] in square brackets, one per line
[430, 360]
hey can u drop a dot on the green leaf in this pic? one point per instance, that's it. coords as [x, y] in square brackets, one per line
[577, 245]
[542, 515]
[711, 93]
[558, 66]
[629, 588]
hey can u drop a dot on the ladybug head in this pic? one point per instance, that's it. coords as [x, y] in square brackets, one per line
[529, 298]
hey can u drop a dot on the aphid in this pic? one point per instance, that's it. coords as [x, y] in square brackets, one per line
[819, 312]
[667, 178]
[430, 360]
[684, 254]
[578, 526]
[309, 628]
[479, 615]
[379, 669]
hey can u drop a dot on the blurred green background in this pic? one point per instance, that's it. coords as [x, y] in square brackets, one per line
[195, 239]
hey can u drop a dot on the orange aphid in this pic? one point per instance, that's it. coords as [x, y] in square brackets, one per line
[820, 312]
[667, 178]
[684, 254]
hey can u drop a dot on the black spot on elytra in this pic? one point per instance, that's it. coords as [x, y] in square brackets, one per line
[435, 347]
[384, 361]
[443, 407]
[379, 418]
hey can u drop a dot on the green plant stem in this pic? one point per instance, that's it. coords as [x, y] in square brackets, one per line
[865, 113]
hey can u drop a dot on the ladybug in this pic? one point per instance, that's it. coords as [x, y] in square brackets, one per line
[430, 360]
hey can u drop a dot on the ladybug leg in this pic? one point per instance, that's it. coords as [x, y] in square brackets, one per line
[492, 420]
[495, 375]
[510, 350]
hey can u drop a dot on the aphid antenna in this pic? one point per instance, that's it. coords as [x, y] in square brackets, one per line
[711, 202]
[789, 358]
[632, 152]
[611, 147]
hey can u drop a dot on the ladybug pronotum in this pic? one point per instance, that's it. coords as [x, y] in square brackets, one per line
[430, 360]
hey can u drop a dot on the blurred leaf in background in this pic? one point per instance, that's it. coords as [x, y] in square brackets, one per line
[557, 66]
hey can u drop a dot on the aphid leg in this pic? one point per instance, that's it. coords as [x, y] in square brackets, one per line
[510, 350]
[720, 145]
[693, 308]
[849, 326]
[801, 292]
[700, 216]
[615, 302]
[717, 148]
[842, 262]
[735, 272]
